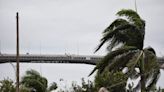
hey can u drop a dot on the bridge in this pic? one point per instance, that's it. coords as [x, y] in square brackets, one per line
[34, 58]
[81, 59]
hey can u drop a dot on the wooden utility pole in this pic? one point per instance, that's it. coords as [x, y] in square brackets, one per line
[17, 55]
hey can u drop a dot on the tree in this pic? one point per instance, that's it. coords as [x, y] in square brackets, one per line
[7, 85]
[35, 81]
[107, 79]
[126, 40]
[53, 86]
[86, 86]
[24, 89]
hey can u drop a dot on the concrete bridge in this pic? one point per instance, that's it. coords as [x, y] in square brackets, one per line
[34, 58]
[81, 59]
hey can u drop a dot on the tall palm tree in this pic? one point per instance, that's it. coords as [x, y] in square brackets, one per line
[129, 31]
[35, 81]
[125, 38]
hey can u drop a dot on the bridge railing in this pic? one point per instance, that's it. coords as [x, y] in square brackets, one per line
[58, 58]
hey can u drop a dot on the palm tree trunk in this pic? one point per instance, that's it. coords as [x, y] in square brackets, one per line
[143, 84]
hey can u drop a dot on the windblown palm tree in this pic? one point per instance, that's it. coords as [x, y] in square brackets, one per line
[34, 81]
[125, 37]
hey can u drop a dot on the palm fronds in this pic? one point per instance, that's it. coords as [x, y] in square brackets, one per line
[110, 56]
[128, 33]
[34, 80]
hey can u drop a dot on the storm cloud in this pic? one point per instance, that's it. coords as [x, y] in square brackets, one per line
[72, 26]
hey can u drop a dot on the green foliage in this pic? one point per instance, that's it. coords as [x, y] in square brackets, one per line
[53, 86]
[126, 39]
[24, 89]
[129, 31]
[7, 85]
[84, 87]
[87, 86]
[132, 16]
[33, 80]
[114, 82]
[116, 57]
[160, 90]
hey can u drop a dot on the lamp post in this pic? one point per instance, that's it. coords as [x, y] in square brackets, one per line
[17, 52]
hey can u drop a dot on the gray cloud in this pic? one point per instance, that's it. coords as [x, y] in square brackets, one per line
[62, 26]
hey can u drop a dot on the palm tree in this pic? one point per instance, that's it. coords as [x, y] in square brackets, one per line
[126, 40]
[34, 81]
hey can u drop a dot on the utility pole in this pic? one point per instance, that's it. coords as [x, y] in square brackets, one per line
[17, 52]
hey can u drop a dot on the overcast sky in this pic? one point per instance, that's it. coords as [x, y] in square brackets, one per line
[72, 26]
